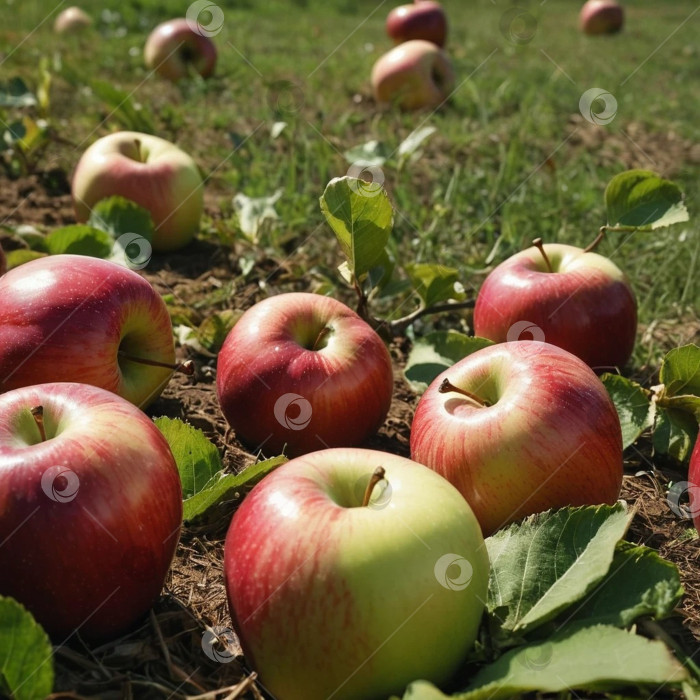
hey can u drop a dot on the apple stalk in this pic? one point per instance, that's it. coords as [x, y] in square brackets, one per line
[376, 477]
[38, 415]
[447, 387]
[186, 367]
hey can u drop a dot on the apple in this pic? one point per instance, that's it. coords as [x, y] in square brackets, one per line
[90, 508]
[421, 20]
[601, 17]
[415, 75]
[303, 371]
[150, 171]
[71, 21]
[73, 318]
[176, 48]
[584, 304]
[334, 595]
[519, 428]
[694, 480]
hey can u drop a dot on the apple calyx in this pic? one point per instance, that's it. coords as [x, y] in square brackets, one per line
[186, 367]
[447, 386]
[377, 476]
[38, 415]
[538, 244]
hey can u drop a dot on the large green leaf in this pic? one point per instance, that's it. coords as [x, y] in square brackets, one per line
[634, 407]
[118, 216]
[675, 433]
[643, 199]
[680, 371]
[361, 217]
[26, 655]
[434, 283]
[79, 240]
[549, 561]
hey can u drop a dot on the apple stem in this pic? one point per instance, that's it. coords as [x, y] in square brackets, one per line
[538, 244]
[38, 414]
[447, 386]
[592, 246]
[321, 336]
[376, 477]
[186, 367]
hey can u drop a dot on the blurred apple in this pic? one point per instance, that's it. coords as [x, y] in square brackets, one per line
[71, 21]
[601, 17]
[175, 49]
[150, 171]
[414, 75]
[424, 19]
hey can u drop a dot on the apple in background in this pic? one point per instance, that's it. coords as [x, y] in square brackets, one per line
[150, 171]
[175, 49]
[71, 21]
[73, 318]
[334, 598]
[415, 75]
[601, 17]
[520, 428]
[585, 305]
[303, 371]
[421, 20]
[694, 479]
[90, 508]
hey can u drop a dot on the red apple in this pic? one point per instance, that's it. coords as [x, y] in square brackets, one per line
[414, 75]
[303, 372]
[421, 20]
[90, 508]
[150, 171]
[601, 17]
[520, 428]
[694, 489]
[336, 596]
[71, 21]
[72, 318]
[584, 305]
[176, 48]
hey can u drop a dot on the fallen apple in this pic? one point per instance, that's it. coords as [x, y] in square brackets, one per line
[579, 301]
[421, 20]
[300, 372]
[71, 21]
[520, 428]
[175, 49]
[694, 480]
[73, 318]
[416, 74]
[150, 171]
[352, 572]
[90, 508]
[601, 17]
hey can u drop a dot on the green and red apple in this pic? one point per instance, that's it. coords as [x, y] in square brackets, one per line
[419, 20]
[601, 17]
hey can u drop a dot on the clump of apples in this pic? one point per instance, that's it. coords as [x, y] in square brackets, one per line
[72, 20]
[150, 171]
[601, 17]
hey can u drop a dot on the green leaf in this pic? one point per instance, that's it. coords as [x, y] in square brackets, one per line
[15, 258]
[26, 655]
[256, 214]
[79, 240]
[361, 217]
[14, 93]
[132, 117]
[118, 216]
[680, 371]
[675, 433]
[373, 154]
[633, 405]
[642, 199]
[435, 352]
[196, 456]
[639, 582]
[225, 487]
[549, 561]
[410, 145]
[434, 283]
[588, 658]
[213, 330]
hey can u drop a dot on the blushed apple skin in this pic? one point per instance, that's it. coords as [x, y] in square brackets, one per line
[94, 564]
[551, 437]
[331, 600]
[694, 479]
[348, 383]
[416, 74]
[173, 48]
[71, 21]
[150, 171]
[587, 307]
[601, 17]
[423, 20]
[63, 318]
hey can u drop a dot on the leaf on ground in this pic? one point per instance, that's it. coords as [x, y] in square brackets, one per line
[410, 145]
[434, 283]
[119, 216]
[634, 407]
[15, 258]
[675, 433]
[545, 564]
[79, 240]
[680, 371]
[256, 214]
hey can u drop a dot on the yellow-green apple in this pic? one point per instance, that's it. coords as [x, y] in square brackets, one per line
[176, 48]
[580, 301]
[601, 17]
[303, 371]
[421, 20]
[71, 21]
[73, 318]
[90, 508]
[340, 590]
[150, 171]
[694, 480]
[414, 75]
[519, 428]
